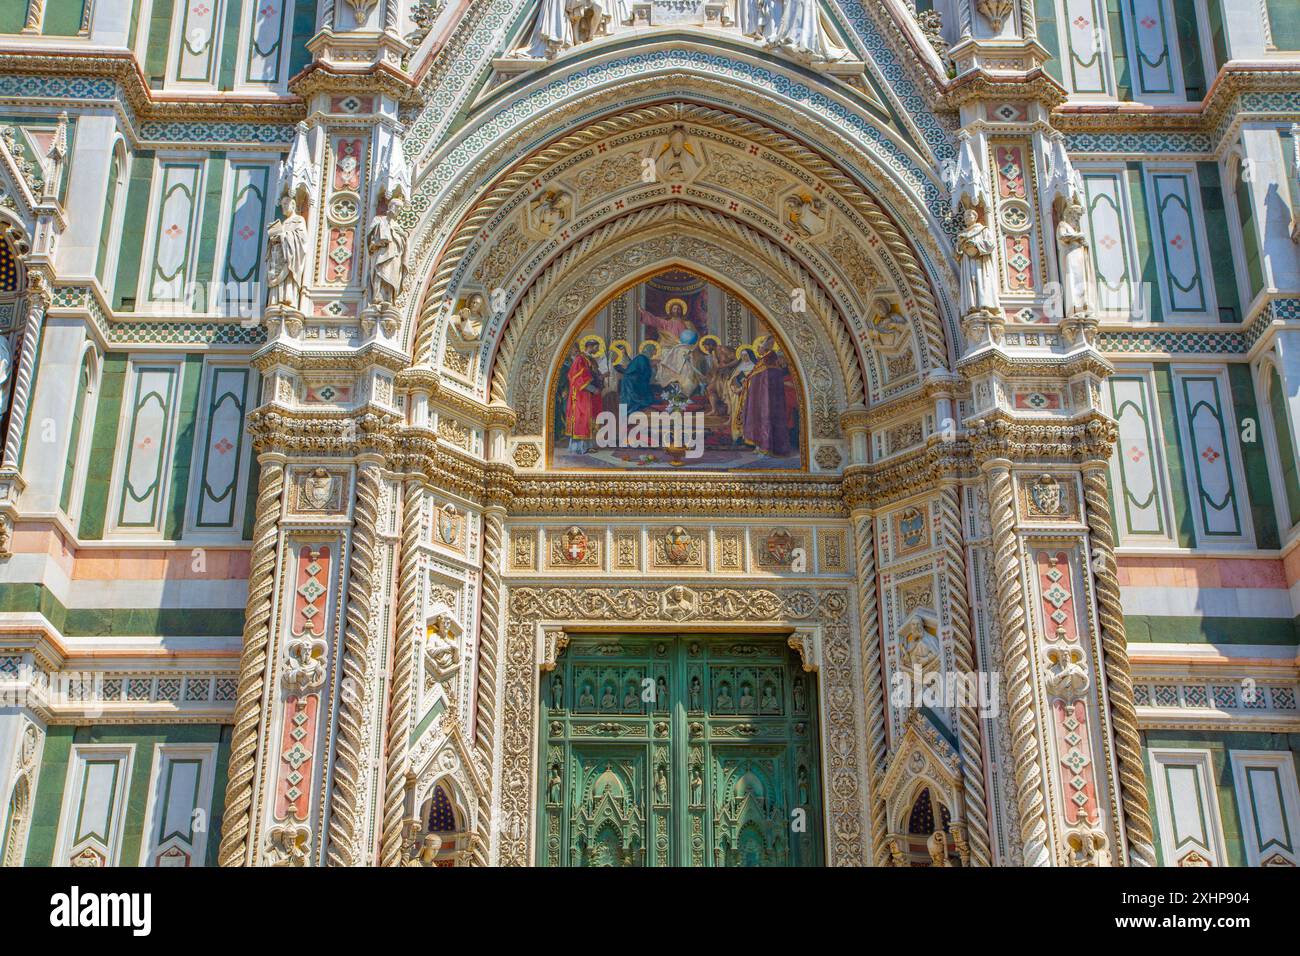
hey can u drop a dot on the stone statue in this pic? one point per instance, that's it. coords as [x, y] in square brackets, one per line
[979, 274]
[286, 256]
[6, 366]
[1078, 278]
[470, 317]
[802, 34]
[386, 244]
[562, 23]
[426, 853]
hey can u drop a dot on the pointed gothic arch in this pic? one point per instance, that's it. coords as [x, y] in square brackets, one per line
[849, 252]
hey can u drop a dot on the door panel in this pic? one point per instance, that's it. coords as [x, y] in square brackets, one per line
[679, 751]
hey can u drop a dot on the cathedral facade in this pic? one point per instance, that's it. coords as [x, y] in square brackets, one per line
[649, 432]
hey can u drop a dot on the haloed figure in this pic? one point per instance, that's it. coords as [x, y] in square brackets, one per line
[585, 384]
[767, 415]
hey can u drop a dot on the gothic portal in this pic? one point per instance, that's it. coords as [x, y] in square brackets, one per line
[649, 433]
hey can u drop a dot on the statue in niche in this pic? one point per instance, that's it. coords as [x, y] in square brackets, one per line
[586, 699]
[468, 323]
[557, 692]
[746, 697]
[697, 786]
[6, 366]
[286, 256]
[694, 693]
[724, 701]
[1078, 278]
[979, 275]
[425, 853]
[554, 784]
[769, 701]
[608, 699]
[661, 694]
[661, 784]
[674, 154]
[386, 245]
[798, 695]
[802, 781]
[630, 699]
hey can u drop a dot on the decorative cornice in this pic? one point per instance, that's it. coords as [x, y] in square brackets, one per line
[151, 105]
[1233, 80]
[376, 77]
[1035, 84]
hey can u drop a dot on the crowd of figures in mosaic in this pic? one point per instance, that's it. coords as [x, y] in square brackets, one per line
[649, 432]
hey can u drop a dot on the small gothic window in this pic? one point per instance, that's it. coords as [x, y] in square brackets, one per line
[442, 814]
[8, 268]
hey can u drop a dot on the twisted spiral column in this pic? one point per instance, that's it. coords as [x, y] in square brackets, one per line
[1017, 680]
[489, 634]
[873, 690]
[1128, 743]
[349, 756]
[234, 849]
[968, 728]
[402, 689]
[38, 302]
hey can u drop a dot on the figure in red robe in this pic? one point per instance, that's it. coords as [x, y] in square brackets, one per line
[767, 416]
[583, 402]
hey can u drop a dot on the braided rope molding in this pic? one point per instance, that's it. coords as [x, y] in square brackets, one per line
[489, 635]
[635, 223]
[349, 749]
[873, 693]
[402, 693]
[1128, 742]
[968, 729]
[812, 162]
[1017, 677]
[237, 818]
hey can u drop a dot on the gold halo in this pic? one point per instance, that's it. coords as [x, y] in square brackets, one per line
[716, 341]
[681, 302]
[593, 337]
[653, 343]
[620, 349]
[776, 346]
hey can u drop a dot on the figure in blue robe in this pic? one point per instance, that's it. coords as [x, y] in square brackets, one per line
[636, 391]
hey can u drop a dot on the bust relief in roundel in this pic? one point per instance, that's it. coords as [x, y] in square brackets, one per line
[675, 372]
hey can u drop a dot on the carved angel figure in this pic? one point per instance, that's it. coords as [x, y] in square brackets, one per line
[470, 318]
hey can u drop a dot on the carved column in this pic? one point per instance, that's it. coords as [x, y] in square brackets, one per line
[244, 746]
[1128, 743]
[407, 644]
[38, 301]
[1027, 747]
[873, 692]
[348, 799]
[490, 632]
[968, 727]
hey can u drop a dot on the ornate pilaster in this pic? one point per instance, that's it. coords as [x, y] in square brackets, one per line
[1128, 743]
[348, 798]
[968, 727]
[38, 301]
[246, 737]
[401, 693]
[873, 693]
[1017, 678]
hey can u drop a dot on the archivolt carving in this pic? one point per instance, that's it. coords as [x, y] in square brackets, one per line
[531, 608]
[519, 377]
[898, 256]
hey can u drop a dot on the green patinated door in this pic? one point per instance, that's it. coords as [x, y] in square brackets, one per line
[662, 750]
